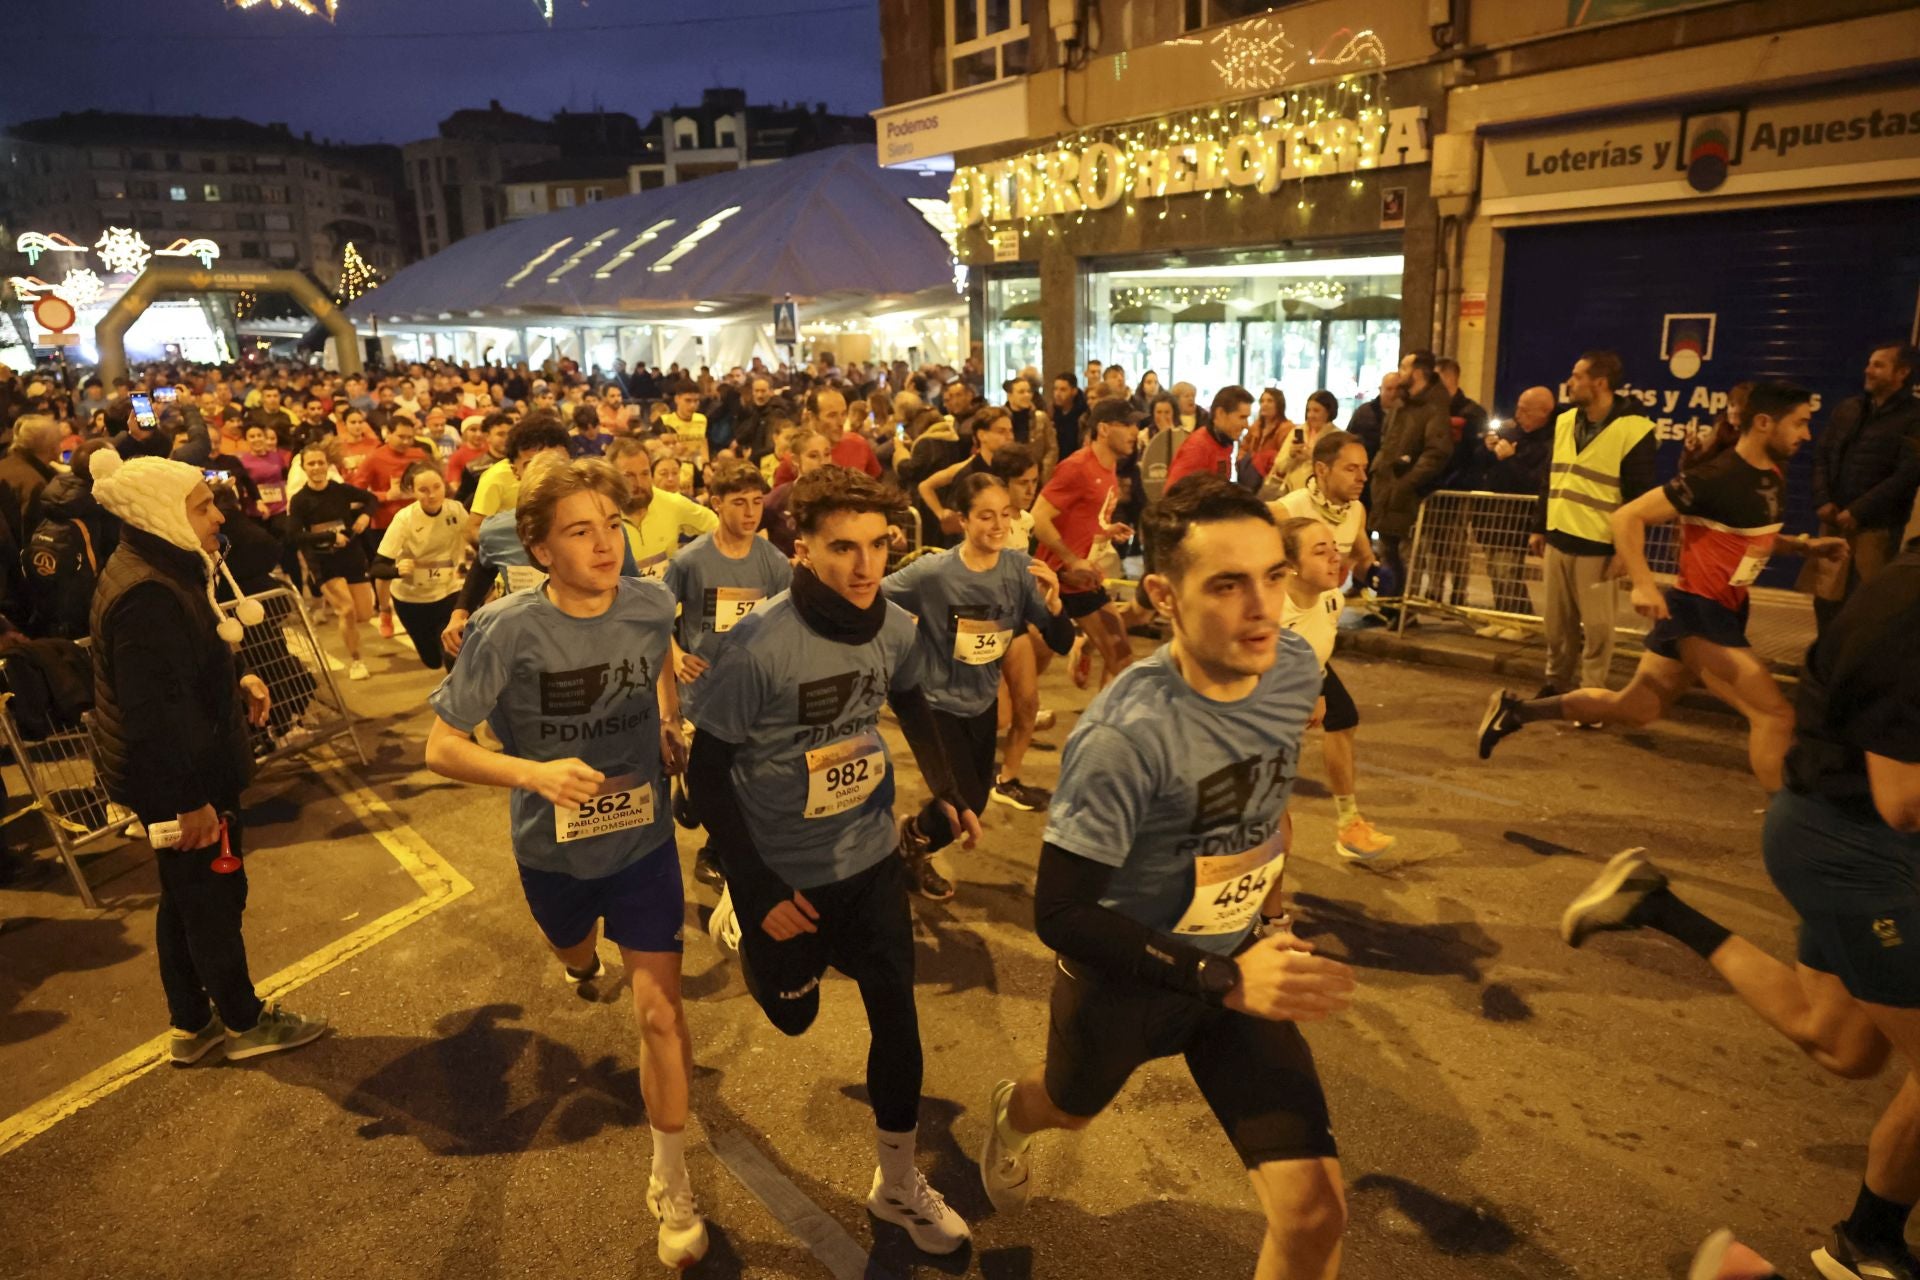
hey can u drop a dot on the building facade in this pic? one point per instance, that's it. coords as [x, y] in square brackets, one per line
[457, 178]
[265, 197]
[1291, 194]
[724, 132]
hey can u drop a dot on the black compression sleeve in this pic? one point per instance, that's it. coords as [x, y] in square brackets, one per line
[1059, 633]
[916, 725]
[480, 579]
[1069, 918]
[715, 803]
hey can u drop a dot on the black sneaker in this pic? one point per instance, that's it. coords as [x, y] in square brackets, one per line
[1547, 690]
[683, 808]
[1609, 901]
[706, 869]
[1015, 794]
[1844, 1259]
[928, 882]
[1499, 721]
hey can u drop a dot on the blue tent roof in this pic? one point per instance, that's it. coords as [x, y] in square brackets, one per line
[827, 222]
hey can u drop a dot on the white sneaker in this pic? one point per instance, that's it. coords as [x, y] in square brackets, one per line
[723, 926]
[358, 671]
[1007, 1174]
[683, 1232]
[920, 1211]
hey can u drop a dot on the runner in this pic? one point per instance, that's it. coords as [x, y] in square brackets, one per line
[811, 450]
[1331, 495]
[1314, 602]
[326, 520]
[1028, 658]
[499, 486]
[1729, 512]
[970, 603]
[422, 549]
[718, 579]
[581, 665]
[1164, 851]
[500, 556]
[1074, 512]
[657, 520]
[1841, 842]
[795, 786]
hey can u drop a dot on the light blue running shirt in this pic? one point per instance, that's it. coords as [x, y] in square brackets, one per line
[715, 592]
[552, 686]
[1184, 796]
[967, 621]
[813, 775]
[499, 545]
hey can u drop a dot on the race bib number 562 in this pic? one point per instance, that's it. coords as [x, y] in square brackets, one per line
[621, 804]
[841, 776]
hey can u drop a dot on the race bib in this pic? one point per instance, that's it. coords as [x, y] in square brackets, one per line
[654, 567]
[979, 642]
[1749, 568]
[841, 776]
[1228, 891]
[433, 573]
[730, 604]
[622, 804]
[524, 577]
[272, 493]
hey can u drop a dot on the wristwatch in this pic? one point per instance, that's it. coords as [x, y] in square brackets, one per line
[1218, 977]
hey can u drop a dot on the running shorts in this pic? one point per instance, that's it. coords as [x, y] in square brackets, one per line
[347, 563]
[1341, 714]
[1257, 1075]
[1853, 883]
[1078, 604]
[1692, 615]
[643, 904]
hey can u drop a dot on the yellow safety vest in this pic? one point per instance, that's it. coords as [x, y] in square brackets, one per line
[1584, 488]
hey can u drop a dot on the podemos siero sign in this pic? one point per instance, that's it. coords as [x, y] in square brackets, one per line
[1098, 175]
[1857, 137]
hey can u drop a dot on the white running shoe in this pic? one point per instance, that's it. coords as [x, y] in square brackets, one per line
[1007, 1174]
[920, 1211]
[723, 926]
[358, 671]
[683, 1232]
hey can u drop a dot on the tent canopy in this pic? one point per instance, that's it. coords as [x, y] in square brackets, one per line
[824, 223]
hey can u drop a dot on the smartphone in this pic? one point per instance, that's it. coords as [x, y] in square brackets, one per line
[216, 477]
[1300, 434]
[143, 411]
[166, 393]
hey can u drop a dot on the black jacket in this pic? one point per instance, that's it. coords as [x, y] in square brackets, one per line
[1467, 420]
[1526, 471]
[64, 557]
[1867, 460]
[168, 714]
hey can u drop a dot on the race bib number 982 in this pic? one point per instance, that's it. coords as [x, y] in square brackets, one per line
[841, 776]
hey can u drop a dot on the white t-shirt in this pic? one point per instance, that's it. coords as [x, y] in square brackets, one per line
[1316, 623]
[1346, 532]
[435, 544]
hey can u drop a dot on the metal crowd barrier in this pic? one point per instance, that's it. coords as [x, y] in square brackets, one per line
[1468, 559]
[916, 542]
[306, 708]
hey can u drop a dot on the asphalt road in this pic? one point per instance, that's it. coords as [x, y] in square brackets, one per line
[1506, 1107]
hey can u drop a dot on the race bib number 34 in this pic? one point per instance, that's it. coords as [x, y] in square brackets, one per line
[841, 776]
[979, 642]
[1228, 891]
[622, 804]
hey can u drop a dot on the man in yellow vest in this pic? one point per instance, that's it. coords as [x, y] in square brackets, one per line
[1602, 457]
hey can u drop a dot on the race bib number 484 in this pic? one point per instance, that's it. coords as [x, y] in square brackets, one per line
[1228, 891]
[841, 776]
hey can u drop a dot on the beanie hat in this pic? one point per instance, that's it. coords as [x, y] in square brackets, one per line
[151, 495]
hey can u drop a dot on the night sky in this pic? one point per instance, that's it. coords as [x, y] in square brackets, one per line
[390, 70]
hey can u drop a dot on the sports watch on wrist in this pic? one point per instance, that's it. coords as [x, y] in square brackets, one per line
[1218, 977]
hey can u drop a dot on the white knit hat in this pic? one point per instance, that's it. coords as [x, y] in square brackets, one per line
[151, 495]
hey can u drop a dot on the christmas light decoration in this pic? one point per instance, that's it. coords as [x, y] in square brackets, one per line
[356, 277]
[546, 9]
[200, 247]
[123, 250]
[243, 304]
[81, 287]
[28, 288]
[312, 8]
[1364, 47]
[1253, 54]
[35, 243]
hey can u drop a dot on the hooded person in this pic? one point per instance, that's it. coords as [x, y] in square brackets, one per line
[170, 725]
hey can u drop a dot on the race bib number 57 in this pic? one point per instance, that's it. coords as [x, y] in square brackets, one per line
[1228, 891]
[841, 776]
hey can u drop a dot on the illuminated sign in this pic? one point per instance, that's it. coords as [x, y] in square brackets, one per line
[1224, 150]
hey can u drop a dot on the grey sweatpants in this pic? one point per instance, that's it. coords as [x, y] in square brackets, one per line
[1580, 618]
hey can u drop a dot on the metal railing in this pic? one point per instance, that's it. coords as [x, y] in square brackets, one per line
[1468, 558]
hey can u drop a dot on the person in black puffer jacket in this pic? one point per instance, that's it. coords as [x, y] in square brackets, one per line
[170, 722]
[63, 558]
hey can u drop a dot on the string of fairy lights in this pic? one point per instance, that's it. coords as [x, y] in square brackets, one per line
[356, 275]
[329, 9]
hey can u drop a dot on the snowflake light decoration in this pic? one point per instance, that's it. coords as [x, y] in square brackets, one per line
[123, 250]
[81, 287]
[1253, 54]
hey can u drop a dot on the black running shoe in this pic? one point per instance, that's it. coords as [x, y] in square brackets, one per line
[706, 869]
[1845, 1259]
[1609, 901]
[1500, 720]
[1016, 794]
[928, 882]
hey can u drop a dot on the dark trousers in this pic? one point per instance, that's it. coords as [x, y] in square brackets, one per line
[423, 624]
[865, 930]
[969, 743]
[197, 936]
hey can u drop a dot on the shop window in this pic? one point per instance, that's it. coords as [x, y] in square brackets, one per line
[1295, 320]
[239, 164]
[985, 41]
[1012, 326]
